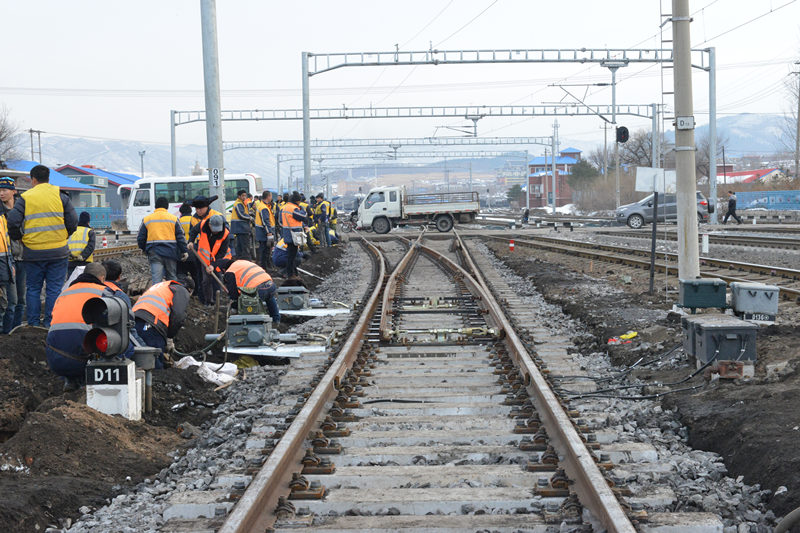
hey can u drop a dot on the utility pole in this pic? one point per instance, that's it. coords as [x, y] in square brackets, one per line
[797, 125]
[216, 169]
[172, 147]
[306, 128]
[141, 156]
[613, 66]
[527, 174]
[553, 148]
[688, 252]
[712, 131]
[605, 148]
[39, 138]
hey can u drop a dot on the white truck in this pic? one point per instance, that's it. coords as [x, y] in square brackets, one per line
[385, 207]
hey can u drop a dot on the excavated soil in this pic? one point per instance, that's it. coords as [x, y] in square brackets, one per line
[57, 455]
[753, 425]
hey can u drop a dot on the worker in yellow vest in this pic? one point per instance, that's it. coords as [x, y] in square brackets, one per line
[186, 268]
[265, 228]
[322, 213]
[81, 243]
[162, 239]
[43, 217]
[240, 226]
[8, 270]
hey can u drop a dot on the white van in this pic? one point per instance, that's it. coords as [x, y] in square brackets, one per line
[179, 189]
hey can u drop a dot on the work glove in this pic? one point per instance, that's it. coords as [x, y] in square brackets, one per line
[185, 256]
[170, 346]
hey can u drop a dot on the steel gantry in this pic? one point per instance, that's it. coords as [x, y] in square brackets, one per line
[319, 158]
[318, 63]
[391, 142]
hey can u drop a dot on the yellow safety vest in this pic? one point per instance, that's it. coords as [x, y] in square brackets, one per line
[43, 227]
[322, 207]
[259, 205]
[5, 240]
[77, 242]
[186, 224]
[334, 215]
[160, 226]
[234, 215]
[271, 211]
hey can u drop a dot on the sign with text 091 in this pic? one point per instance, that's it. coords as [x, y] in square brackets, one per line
[106, 375]
[214, 174]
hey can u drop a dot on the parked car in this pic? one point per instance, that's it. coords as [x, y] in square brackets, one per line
[640, 213]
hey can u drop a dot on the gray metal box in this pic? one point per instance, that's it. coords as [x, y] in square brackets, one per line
[687, 329]
[734, 338]
[249, 330]
[755, 301]
[293, 298]
[701, 293]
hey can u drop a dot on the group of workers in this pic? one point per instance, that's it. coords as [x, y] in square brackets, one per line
[43, 242]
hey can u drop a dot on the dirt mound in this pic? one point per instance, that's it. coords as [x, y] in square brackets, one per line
[71, 455]
[25, 381]
[181, 396]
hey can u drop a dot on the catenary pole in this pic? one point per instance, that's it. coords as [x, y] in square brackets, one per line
[553, 179]
[712, 131]
[216, 169]
[616, 144]
[655, 140]
[306, 129]
[688, 253]
[172, 147]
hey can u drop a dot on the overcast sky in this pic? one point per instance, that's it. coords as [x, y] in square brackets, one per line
[112, 69]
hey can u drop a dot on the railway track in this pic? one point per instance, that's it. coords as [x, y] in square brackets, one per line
[435, 415]
[787, 279]
[760, 241]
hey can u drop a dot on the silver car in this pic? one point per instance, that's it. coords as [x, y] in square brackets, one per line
[640, 213]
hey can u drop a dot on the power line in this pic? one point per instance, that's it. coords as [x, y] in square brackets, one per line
[772, 10]
[435, 17]
[468, 23]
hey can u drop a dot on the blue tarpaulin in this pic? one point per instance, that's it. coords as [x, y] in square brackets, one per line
[774, 200]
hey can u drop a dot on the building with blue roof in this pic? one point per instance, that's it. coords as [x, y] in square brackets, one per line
[540, 182]
[104, 179]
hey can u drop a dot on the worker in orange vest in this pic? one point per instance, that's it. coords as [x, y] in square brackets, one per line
[64, 345]
[292, 218]
[245, 274]
[159, 314]
[214, 250]
[113, 273]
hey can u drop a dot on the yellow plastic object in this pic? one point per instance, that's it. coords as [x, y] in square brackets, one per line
[629, 335]
[245, 361]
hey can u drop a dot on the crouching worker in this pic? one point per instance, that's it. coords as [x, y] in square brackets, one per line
[113, 274]
[242, 274]
[280, 257]
[65, 355]
[159, 314]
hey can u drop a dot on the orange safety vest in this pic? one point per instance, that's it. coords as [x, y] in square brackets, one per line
[287, 220]
[197, 220]
[111, 285]
[204, 248]
[69, 305]
[248, 275]
[157, 301]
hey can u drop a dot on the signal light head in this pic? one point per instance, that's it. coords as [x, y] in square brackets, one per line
[101, 342]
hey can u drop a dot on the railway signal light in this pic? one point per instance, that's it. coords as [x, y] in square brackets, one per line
[108, 317]
[622, 134]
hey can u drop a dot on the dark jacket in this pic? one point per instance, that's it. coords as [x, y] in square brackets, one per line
[16, 218]
[243, 224]
[177, 313]
[732, 203]
[218, 261]
[172, 250]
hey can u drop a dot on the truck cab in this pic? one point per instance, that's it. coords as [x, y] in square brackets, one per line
[381, 202]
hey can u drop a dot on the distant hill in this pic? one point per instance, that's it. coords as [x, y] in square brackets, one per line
[747, 134]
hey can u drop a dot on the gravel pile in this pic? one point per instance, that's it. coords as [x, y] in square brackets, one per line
[255, 402]
[698, 478]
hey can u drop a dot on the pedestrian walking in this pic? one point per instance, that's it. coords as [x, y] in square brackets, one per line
[240, 226]
[731, 209]
[43, 218]
[161, 238]
[81, 243]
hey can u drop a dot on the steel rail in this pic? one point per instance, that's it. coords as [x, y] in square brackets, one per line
[391, 286]
[590, 485]
[623, 255]
[115, 250]
[255, 509]
[730, 240]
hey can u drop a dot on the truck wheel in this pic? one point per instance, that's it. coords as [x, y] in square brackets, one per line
[381, 225]
[636, 221]
[444, 223]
